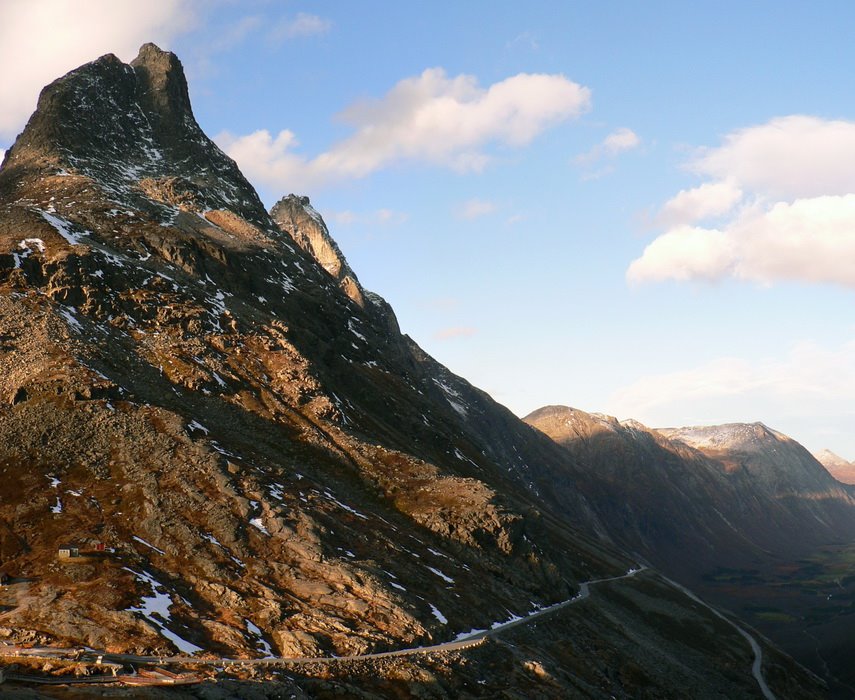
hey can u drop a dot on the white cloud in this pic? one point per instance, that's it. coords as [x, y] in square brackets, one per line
[786, 158]
[684, 253]
[2, 154]
[708, 200]
[474, 208]
[622, 139]
[614, 144]
[300, 26]
[787, 192]
[811, 240]
[449, 122]
[46, 39]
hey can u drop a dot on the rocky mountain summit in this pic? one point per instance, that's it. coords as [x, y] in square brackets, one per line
[839, 468]
[214, 441]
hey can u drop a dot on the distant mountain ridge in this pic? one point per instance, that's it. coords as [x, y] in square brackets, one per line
[731, 494]
[838, 467]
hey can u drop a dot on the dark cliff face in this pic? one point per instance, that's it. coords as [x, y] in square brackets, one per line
[203, 389]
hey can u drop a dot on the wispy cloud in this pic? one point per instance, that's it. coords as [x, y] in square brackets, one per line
[380, 217]
[476, 208]
[455, 332]
[617, 142]
[430, 118]
[236, 34]
[56, 36]
[526, 40]
[784, 192]
[302, 25]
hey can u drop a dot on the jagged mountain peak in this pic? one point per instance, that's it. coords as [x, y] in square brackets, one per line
[295, 215]
[130, 127]
[162, 79]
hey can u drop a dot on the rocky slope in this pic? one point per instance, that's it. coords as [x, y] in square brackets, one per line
[838, 467]
[273, 467]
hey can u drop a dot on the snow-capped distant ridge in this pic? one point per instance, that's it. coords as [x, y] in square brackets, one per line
[725, 436]
[837, 466]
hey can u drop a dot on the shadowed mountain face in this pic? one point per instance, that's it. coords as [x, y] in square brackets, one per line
[733, 495]
[741, 512]
[273, 467]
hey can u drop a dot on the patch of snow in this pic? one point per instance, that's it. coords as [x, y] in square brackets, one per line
[26, 244]
[354, 331]
[58, 507]
[445, 578]
[211, 539]
[470, 633]
[259, 525]
[438, 615]
[68, 314]
[155, 609]
[513, 618]
[397, 585]
[261, 641]
[214, 540]
[148, 544]
[453, 397]
[196, 425]
[344, 505]
[63, 227]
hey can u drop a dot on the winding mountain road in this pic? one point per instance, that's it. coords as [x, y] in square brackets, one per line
[757, 666]
[473, 639]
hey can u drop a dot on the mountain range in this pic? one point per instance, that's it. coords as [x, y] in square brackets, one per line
[202, 397]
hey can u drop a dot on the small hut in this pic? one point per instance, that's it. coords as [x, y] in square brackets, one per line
[68, 551]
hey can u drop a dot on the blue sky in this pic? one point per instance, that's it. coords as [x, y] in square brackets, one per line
[643, 209]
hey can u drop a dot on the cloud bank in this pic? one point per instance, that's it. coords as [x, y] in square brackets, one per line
[430, 118]
[778, 205]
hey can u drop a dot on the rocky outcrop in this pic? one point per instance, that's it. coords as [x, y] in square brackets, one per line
[296, 216]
